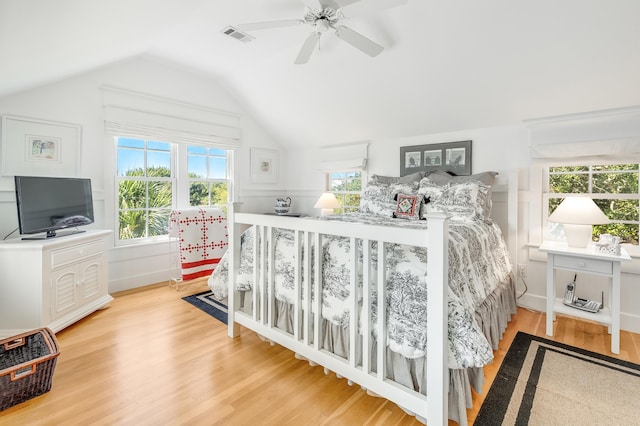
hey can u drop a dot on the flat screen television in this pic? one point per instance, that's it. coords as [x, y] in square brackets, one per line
[48, 204]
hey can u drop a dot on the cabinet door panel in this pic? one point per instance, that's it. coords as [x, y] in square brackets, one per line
[63, 291]
[91, 283]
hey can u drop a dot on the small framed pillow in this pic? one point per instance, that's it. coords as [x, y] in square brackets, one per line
[408, 206]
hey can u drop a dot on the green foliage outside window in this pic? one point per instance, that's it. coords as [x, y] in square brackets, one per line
[144, 204]
[603, 181]
[208, 193]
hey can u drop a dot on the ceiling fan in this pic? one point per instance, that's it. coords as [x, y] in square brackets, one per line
[328, 16]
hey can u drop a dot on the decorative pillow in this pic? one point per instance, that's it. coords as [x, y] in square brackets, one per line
[390, 180]
[442, 178]
[429, 190]
[408, 206]
[378, 199]
[466, 200]
[488, 178]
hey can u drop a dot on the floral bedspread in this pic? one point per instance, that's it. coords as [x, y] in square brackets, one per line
[478, 262]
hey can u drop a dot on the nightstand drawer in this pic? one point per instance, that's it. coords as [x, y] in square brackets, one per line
[588, 265]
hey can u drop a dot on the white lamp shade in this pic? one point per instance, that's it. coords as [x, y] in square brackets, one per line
[578, 211]
[327, 202]
[578, 214]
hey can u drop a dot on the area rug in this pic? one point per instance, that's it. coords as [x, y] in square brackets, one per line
[207, 303]
[541, 382]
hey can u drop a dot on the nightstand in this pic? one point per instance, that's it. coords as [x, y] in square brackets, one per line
[588, 261]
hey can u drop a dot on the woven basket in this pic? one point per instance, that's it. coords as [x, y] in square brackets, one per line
[27, 362]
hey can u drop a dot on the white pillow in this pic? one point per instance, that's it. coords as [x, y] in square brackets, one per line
[466, 200]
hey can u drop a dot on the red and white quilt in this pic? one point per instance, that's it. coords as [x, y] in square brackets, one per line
[203, 239]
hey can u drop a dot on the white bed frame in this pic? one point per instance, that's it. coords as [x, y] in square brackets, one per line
[307, 343]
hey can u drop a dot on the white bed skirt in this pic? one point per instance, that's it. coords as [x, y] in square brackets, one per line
[492, 316]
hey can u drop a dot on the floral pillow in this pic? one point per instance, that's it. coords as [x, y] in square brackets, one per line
[408, 206]
[431, 191]
[379, 200]
[466, 200]
[488, 178]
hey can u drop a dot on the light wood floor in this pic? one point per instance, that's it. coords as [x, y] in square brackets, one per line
[152, 359]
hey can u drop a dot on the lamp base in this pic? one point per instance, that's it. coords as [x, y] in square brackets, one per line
[326, 212]
[578, 236]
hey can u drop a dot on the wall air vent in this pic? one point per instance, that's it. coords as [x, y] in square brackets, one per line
[237, 34]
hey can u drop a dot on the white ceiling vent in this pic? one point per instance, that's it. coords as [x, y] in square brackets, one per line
[237, 34]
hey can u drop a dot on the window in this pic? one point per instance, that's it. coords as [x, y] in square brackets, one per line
[613, 187]
[346, 186]
[207, 168]
[149, 184]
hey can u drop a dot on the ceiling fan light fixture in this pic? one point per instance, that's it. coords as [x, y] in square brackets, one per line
[322, 25]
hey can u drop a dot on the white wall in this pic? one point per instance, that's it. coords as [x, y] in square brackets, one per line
[78, 100]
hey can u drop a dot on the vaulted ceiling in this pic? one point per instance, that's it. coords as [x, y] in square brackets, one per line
[447, 65]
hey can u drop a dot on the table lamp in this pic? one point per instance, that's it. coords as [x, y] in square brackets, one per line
[327, 202]
[578, 214]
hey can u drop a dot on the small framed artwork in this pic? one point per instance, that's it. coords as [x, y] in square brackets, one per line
[39, 147]
[412, 159]
[451, 157]
[264, 165]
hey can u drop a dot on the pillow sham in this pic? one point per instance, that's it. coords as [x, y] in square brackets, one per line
[442, 178]
[465, 200]
[390, 180]
[488, 178]
[428, 189]
[378, 199]
[408, 206]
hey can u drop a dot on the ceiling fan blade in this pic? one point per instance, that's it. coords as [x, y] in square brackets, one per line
[336, 4]
[370, 6]
[269, 24]
[307, 48]
[359, 41]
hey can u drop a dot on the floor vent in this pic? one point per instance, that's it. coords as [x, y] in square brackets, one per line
[237, 34]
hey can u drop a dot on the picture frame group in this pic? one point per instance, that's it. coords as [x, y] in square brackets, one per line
[451, 157]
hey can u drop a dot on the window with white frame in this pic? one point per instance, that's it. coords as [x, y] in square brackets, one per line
[149, 184]
[207, 170]
[346, 186]
[613, 187]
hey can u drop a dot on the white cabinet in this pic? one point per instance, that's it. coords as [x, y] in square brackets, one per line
[52, 283]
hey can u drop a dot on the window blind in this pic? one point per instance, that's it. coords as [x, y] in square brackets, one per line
[143, 116]
[608, 134]
[346, 157]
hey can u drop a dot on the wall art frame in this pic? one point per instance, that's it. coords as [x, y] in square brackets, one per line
[264, 165]
[35, 147]
[451, 157]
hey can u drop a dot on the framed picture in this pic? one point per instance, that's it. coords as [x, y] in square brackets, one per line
[39, 147]
[412, 159]
[264, 165]
[451, 157]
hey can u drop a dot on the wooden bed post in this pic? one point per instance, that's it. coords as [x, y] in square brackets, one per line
[234, 231]
[437, 320]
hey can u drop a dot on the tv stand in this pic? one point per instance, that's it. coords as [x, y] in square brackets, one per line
[53, 234]
[52, 282]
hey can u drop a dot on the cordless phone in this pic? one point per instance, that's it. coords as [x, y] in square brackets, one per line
[579, 303]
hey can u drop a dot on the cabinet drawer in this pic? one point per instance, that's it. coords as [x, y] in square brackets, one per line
[588, 265]
[75, 253]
